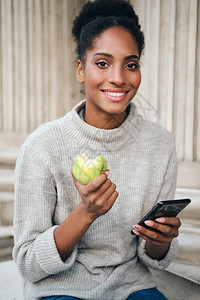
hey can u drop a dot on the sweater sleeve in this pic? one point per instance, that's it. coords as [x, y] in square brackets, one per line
[35, 251]
[167, 192]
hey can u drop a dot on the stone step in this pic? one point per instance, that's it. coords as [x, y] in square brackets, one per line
[192, 211]
[193, 194]
[189, 244]
[11, 285]
[6, 197]
[175, 286]
[8, 156]
[6, 243]
[6, 180]
[6, 249]
[6, 208]
[6, 231]
[188, 271]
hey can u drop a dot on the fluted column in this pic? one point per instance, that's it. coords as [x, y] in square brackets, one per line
[170, 89]
[38, 81]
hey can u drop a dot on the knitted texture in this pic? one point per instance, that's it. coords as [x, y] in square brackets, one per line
[108, 262]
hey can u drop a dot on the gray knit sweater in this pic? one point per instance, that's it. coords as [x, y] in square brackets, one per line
[108, 263]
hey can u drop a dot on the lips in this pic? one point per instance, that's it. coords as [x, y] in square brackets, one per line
[115, 94]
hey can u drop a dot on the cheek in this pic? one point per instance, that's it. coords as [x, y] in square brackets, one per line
[136, 80]
[93, 80]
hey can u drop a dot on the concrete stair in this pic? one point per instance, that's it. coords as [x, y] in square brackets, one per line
[187, 261]
[8, 158]
[189, 245]
[6, 222]
[6, 243]
[174, 286]
[181, 280]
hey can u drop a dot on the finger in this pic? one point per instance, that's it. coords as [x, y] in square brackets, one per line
[174, 221]
[108, 193]
[74, 178]
[163, 228]
[112, 200]
[77, 183]
[104, 187]
[155, 239]
[95, 183]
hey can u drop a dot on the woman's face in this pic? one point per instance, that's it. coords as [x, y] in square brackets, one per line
[111, 74]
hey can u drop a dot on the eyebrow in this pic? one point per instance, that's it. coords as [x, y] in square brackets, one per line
[111, 56]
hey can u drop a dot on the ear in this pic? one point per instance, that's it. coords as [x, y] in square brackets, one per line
[80, 71]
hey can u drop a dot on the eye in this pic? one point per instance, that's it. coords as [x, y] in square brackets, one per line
[102, 64]
[132, 66]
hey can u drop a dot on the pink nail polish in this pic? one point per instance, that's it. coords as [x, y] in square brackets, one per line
[136, 232]
[149, 223]
[107, 172]
[136, 227]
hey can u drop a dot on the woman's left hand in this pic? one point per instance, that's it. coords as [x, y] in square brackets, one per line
[167, 228]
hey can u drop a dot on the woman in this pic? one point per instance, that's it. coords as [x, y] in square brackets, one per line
[73, 241]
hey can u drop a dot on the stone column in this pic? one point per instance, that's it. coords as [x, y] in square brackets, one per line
[37, 80]
[170, 89]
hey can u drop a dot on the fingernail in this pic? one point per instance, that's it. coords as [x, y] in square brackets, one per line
[160, 220]
[136, 232]
[136, 227]
[107, 172]
[149, 223]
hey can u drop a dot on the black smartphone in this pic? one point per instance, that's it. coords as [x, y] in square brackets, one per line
[168, 208]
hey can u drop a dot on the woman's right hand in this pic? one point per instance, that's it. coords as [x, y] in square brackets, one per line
[98, 196]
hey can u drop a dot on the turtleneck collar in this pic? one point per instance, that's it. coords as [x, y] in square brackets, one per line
[104, 139]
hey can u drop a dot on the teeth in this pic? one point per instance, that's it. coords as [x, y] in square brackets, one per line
[115, 94]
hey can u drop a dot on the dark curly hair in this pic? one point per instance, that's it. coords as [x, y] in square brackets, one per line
[97, 16]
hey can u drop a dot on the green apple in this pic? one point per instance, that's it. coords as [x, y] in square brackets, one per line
[85, 169]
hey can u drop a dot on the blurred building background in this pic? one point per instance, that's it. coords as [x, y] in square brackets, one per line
[38, 84]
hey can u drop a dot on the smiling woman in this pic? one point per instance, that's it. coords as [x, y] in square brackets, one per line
[72, 240]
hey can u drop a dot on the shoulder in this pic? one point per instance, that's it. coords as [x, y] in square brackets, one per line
[150, 131]
[51, 137]
[156, 131]
[45, 131]
[156, 138]
[48, 135]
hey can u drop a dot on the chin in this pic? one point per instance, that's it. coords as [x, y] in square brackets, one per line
[117, 110]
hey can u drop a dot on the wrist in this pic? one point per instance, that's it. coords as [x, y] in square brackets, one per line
[157, 251]
[84, 215]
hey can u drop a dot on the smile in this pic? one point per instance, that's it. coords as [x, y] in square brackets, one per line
[115, 96]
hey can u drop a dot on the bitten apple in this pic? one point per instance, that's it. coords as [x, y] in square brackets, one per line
[85, 169]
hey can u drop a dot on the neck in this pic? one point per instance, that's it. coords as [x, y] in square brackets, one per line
[103, 121]
[100, 139]
[108, 122]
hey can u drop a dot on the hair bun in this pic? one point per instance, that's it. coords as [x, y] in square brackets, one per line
[103, 8]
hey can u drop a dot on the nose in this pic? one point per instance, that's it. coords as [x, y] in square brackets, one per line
[117, 76]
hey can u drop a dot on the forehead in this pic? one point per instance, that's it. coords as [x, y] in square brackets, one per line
[115, 40]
